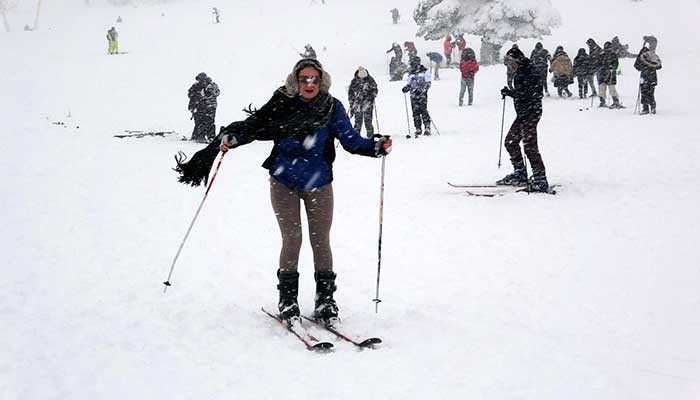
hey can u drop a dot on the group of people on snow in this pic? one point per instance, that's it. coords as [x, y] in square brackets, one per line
[303, 121]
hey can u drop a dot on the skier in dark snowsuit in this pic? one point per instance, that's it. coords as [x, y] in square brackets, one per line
[395, 15]
[527, 99]
[309, 52]
[202, 105]
[647, 63]
[595, 54]
[540, 58]
[361, 94]
[582, 72]
[418, 83]
[396, 66]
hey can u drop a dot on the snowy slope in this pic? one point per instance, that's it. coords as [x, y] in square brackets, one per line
[590, 294]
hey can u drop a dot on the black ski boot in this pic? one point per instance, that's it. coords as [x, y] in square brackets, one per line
[538, 184]
[289, 290]
[602, 102]
[326, 310]
[517, 178]
[645, 109]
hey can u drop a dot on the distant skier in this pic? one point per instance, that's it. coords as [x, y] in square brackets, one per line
[468, 67]
[361, 95]
[395, 17]
[418, 83]
[112, 41]
[540, 58]
[583, 73]
[435, 58]
[215, 13]
[527, 99]
[396, 66]
[647, 63]
[595, 53]
[563, 72]
[202, 105]
[607, 76]
[621, 50]
[447, 47]
[309, 52]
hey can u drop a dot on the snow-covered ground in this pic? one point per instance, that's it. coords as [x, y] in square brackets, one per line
[589, 294]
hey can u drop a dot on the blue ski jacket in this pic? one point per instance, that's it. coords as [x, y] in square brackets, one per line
[305, 164]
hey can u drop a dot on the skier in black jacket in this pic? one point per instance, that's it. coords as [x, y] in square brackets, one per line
[361, 94]
[583, 72]
[202, 105]
[540, 58]
[647, 63]
[595, 54]
[527, 99]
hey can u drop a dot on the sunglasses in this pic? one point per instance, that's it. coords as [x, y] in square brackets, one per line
[313, 80]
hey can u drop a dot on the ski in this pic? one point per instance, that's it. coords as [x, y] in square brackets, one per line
[498, 190]
[141, 134]
[311, 342]
[486, 186]
[369, 343]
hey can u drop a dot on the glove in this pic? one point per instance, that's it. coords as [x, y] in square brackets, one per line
[506, 92]
[406, 89]
[228, 141]
[382, 146]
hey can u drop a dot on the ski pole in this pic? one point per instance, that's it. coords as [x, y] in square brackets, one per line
[435, 126]
[525, 163]
[379, 245]
[500, 143]
[639, 94]
[376, 116]
[408, 124]
[177, 255]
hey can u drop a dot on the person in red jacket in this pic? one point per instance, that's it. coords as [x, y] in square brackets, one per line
[447, 49]
[468, 66]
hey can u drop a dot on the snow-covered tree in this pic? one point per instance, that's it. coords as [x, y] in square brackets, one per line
[497, 20]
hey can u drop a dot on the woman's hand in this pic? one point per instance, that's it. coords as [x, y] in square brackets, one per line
[227, 142]
[382, 146]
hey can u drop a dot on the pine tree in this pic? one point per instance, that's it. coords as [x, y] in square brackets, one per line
[498, 20]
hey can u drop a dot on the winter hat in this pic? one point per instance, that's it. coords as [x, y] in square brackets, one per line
[362, 72]
[515, 53]
[291, 87]
[201, 77]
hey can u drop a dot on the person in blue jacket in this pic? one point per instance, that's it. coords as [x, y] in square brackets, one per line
[303, 120]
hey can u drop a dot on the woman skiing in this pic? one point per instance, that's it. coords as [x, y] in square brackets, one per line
[303, 120]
